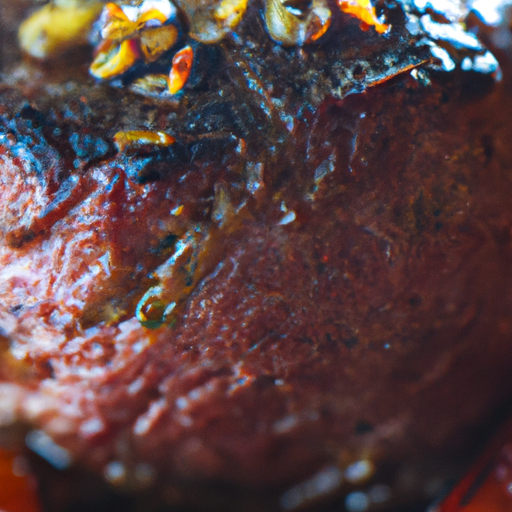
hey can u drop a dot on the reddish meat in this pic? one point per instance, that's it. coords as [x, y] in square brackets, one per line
[348, 296]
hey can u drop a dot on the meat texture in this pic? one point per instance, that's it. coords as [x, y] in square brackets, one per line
[317, 272]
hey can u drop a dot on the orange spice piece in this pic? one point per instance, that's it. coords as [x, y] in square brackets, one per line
[364, 11]
[321, 25]
[180, 71]
[137, 138]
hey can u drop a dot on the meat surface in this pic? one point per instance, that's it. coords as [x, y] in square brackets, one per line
[317, 272]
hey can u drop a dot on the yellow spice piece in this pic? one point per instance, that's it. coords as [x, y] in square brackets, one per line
[155, 41]
[296, 26]
[57, 28]
[230, 12]
[137, 138]
[114, 59]
[117, 26]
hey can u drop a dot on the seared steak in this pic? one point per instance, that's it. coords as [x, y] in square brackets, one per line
[312, 268]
